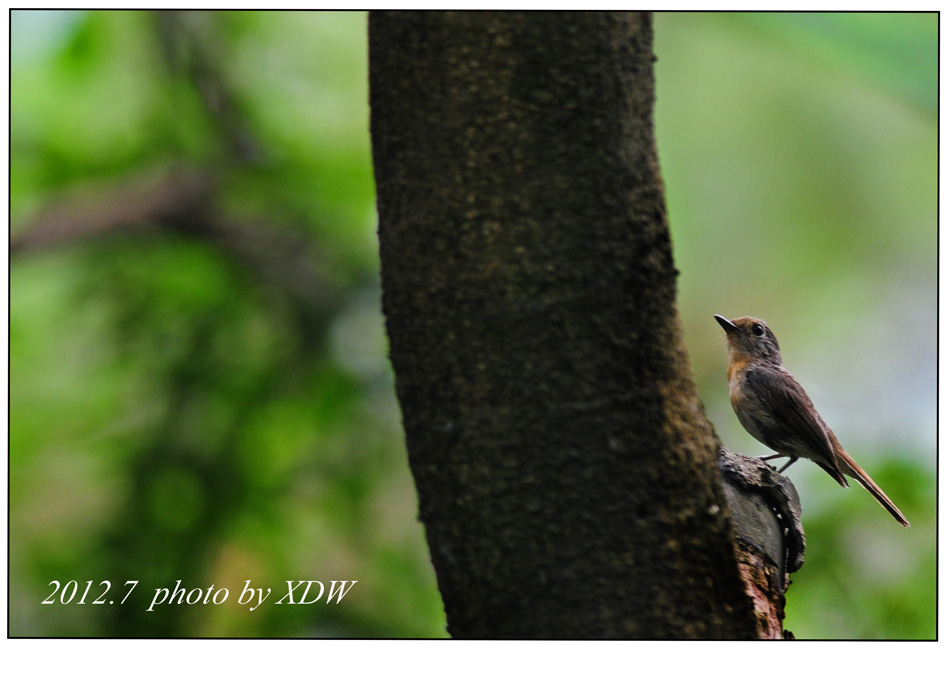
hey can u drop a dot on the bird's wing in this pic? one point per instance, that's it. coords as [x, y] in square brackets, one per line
[779, 392]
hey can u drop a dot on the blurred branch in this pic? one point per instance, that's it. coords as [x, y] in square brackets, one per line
[180, 200]
[191, 44]
[130, 204]
[278, 257]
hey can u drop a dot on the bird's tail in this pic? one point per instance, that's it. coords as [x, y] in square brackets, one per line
[850, 467]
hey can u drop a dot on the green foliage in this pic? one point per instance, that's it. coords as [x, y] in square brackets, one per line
[895, 50]
[854, 583]
[180, 411]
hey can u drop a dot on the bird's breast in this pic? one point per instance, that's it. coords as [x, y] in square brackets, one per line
[754, 416]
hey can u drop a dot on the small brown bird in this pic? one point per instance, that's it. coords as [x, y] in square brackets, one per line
[774, 408]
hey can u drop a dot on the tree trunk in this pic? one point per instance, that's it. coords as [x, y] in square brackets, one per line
[565, 469]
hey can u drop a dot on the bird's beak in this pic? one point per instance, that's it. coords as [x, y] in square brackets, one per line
[725, 323]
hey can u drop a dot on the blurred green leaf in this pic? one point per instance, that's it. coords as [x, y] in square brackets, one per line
[897, 49]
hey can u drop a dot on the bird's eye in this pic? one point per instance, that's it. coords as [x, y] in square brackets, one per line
[757, 329]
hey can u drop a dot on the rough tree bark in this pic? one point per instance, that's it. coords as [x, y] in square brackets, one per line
[566, 472]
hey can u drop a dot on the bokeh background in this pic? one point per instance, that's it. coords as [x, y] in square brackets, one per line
[199, 388]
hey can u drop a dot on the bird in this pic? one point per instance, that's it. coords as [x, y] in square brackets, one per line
[772, 406]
